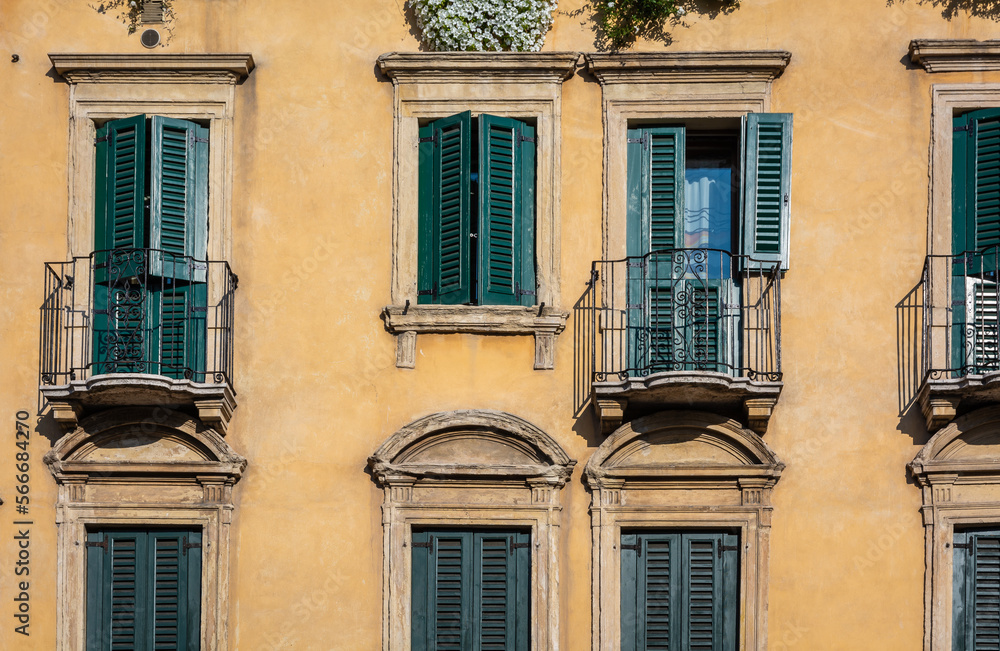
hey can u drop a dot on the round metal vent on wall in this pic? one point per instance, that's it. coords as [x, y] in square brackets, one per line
[150, 38]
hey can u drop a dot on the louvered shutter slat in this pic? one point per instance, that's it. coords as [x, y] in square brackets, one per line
[987, 181]
[122, 226]
[659, 593]
[767, 188]
[452, 593]
[495, 592]
[127, 608]
[666, 188]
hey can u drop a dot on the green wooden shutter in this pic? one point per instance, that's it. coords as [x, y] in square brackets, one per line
[178, 213]
[178, 318]
[654, 228]
[121, 184]
[143, 590]
[976, 591]
[506, 208]
[680, 591]
[767, 188]
[470, 590]
[444, 257]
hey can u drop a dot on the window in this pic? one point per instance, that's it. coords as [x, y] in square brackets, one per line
[975, 239]
[150, 243]
[976, 572]
[706, 209]
[471, 590]
[477, 206]
[143, 590]
[680, 591]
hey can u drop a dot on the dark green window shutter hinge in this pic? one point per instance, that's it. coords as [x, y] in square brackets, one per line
[637, 547]
[101, 139]
[186, 546]
[727, 548]
[429, 292]
[429, 138]
[967, 127]
[967, 545]
[524, 138]
[103, 544]
[521, 292]
[516, 545]
[643, 140]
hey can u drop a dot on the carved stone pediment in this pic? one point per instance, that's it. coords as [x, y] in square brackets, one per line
[969, 445]
[471, 443]
[137, 441]
[682, 444]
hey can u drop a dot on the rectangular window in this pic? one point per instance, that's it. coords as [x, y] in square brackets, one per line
[679, 591]
[476, 211]
[705, 207]
[143, 590]
[150, 243]
[975, 240]
[471, 590]
[976, 591]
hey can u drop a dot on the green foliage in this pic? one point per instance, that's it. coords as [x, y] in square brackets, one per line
[624, 21]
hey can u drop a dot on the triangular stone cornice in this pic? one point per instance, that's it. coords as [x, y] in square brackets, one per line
[955, 55]
[687, 67]
[153, 68]
[478, 67]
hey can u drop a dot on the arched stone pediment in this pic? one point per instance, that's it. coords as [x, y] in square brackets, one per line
[969, 444]
[682, 444]
[471, 443]
[143, 440]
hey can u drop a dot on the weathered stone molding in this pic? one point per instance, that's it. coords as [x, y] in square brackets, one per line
[431, 85]
[470, 468]
[958, 472]
[152, 68]
[544, 324]
[681, 470]
[142, 467]
[955, 55]
[466, 67]
[70, 402]
[686, 67]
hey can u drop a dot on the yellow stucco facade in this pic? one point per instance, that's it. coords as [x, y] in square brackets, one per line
[313, 176]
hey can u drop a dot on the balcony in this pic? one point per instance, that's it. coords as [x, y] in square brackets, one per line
[690, 328]
[130, 327]
[954, 309]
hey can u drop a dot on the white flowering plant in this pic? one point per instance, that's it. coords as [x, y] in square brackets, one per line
[477, 25]
[623, 21]
[130, 11]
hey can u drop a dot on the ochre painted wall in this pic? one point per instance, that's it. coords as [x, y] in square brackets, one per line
[315, 372]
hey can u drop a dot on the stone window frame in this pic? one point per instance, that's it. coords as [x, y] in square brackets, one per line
[97, 488]
[646, 87]
[200, 87]
[516, 490]
[684, 493]
[431, 85]
[957, 489]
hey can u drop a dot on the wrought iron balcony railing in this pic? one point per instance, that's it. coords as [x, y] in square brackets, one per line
[959, 297]
[694, 310]
[137, 311]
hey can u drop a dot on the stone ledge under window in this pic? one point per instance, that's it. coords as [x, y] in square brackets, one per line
[71, 402]
[407, 321]
[941, 400]
[955, 55]
[706, 390]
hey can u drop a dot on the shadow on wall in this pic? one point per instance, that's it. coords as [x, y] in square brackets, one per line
[951, 8]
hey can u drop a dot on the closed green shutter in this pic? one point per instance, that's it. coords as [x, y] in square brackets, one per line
[444, 260]
[767, 188]
[976, 591]
[178, 318]
[470, 590]
[121, 184]
[178, 213]
[506, 209]
[143, 590]
[679, 591]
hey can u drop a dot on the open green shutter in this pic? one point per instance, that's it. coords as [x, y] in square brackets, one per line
[178, 213]
[767, 186]
[444, 258]
[121, 184]
[506, 210]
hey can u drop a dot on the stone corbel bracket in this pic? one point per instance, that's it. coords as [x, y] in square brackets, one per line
[406, 322]
[955, 55]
